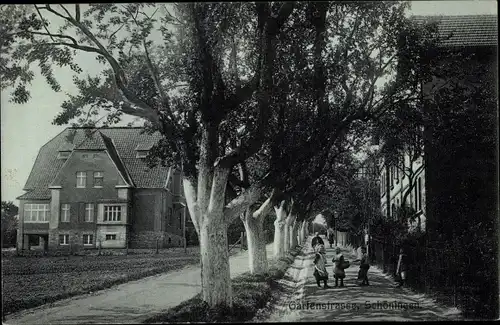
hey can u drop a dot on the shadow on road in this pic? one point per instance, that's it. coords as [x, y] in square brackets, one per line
[380, 301]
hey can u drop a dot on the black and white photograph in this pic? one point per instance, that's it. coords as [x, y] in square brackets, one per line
[258, 162]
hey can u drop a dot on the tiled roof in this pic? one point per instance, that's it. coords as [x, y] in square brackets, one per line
[93, 141]
[469, 30]
[145, 145]
[36, 194]
[108, 142]
[124, 140]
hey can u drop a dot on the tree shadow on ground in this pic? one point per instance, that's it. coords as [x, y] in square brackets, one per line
[381, 301]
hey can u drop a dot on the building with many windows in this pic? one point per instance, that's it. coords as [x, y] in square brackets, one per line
[404, 183]
[434, 183]
[92, 188]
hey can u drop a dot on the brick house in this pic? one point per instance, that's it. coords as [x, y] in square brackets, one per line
[433, 173]
[460, 164]
[92, 187]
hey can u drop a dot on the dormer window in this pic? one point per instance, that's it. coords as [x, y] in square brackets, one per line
[63, 154]
[143, 149]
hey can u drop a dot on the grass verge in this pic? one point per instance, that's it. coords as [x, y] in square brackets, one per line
[29, 282]
[250, 294]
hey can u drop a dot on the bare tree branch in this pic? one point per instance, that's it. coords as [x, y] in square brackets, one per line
[48, 8]
[77, 12]
[66, 10]
[43, 22]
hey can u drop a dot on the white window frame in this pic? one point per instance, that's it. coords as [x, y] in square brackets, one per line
[86, 243]
[141, 154]
[65, 212]
[66, 242]
[112, 213]
[81, 176]
[35, 210]
[89, 212]
[99, 175]
[110, 234]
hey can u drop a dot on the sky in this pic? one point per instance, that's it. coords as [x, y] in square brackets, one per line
[25, 128]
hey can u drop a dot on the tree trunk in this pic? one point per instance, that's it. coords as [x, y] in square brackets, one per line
[291, 223]
[215, 275]
[303, 232]
[293, 240]
[257, 254]
[279, 226]
[286, 235]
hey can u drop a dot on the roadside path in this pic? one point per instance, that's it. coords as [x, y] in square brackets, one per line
[381, 301]
[131, 302]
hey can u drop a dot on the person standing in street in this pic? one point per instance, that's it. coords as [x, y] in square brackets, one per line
[320, 272]
[401, 268]
[363, 267]
[338, 270]
[317, 240]
[329, 233]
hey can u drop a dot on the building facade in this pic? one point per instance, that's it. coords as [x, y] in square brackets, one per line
[92, 188]
[427, 181]
[404, 184]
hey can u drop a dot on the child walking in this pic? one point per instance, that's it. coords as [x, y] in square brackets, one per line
[338, 270]
[320, 272]
[363, 267]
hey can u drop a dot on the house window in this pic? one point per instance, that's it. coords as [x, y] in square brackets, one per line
[384, 182]
[63, 239]
[110, 236]
[34, 240]
[89, 212]
[112, 213]
[88, 239]
[141, 154]
[392, 176]
[65, 212]
[36, 213]
[393, 208]
[169, 216]
[98, 179]
[171, 184]
[180, 220]
[81, 179]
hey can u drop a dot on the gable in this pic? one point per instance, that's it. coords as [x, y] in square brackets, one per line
[124, 141]
[88, 161]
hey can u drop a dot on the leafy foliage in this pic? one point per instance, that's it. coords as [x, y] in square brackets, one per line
[9, 223]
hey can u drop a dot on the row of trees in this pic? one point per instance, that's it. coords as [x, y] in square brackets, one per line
[259, 104]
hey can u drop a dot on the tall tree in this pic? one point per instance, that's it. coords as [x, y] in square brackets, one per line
[143, 78]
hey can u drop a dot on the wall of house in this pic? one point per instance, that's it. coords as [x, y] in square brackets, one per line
[397, 184]
[89, 162]
[461, 168]
[152, 220]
